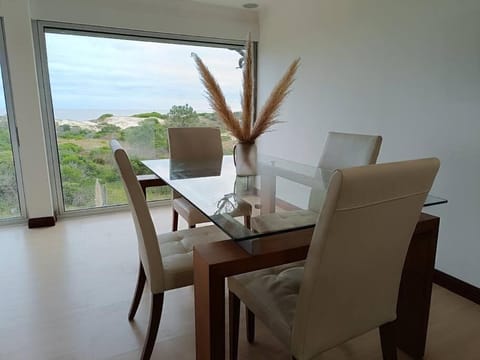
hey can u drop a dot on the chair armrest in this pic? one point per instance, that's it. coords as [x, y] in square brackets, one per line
[150, 180]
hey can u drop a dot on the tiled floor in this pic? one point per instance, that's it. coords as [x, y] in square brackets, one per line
[65, 293]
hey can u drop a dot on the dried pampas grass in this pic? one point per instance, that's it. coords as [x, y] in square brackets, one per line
[246, 130]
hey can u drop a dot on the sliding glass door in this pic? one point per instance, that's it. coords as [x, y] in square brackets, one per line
[10, 197]
[102, 84]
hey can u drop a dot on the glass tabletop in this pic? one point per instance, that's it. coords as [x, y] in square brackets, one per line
[283, 196]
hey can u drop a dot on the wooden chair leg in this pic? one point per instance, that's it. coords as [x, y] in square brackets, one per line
[138, 292]
[174, 220]
[154, 322]
[387, 338]
[233, 323]
[250, 325]
[246, 221]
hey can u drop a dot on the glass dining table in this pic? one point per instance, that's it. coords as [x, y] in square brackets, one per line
[285, 198]
[280, 187]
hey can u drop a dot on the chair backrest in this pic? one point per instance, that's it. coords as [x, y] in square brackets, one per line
[192, 143]
[343, 150]
[147, 239]
[354, 264]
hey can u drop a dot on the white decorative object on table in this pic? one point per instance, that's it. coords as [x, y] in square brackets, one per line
[245, 158]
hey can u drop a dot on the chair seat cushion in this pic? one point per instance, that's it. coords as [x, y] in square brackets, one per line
[283, 220]
[272, 295]
[177, 253]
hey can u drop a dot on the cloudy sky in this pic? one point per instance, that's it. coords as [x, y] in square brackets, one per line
[91, 73]
[115, 74]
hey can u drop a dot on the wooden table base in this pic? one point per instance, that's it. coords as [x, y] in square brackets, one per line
[214, 262]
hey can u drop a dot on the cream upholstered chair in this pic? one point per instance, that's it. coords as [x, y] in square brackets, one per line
[190, 144]
[351, 277]
[344, 150]
[165, 260]
[341, 150]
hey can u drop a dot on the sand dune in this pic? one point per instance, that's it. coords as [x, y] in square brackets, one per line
[122, 122]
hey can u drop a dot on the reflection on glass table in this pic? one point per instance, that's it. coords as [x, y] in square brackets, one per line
[217, 192]
[285, 195]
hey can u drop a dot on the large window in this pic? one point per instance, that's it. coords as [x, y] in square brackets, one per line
[132, 87]
[10, 205]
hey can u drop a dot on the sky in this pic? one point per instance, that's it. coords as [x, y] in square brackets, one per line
[93, 74]
[90, 76]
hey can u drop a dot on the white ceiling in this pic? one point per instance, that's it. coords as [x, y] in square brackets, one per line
[231, 3]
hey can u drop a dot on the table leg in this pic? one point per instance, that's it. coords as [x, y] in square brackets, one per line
[209, 311]
[212, 263]
[416, 288]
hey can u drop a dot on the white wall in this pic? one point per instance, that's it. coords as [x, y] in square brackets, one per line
[167, 16]
[408, 70]
[26, 103]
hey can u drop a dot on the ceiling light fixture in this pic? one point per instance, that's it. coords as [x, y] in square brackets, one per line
[250, 6]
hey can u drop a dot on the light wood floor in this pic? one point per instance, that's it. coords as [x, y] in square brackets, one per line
[65, 293]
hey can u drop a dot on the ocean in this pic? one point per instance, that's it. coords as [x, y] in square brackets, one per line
[92, 114]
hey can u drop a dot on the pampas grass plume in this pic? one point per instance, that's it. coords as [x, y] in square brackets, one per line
[246, 130]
